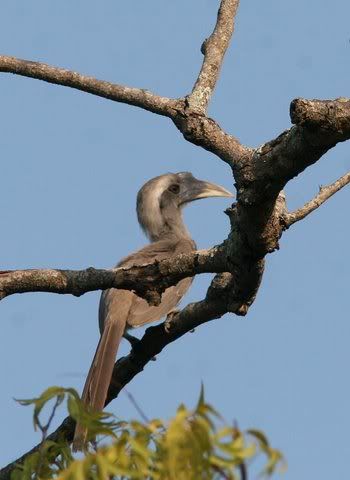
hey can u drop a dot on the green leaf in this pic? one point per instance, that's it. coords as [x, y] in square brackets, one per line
[260, 436]
[201, 400]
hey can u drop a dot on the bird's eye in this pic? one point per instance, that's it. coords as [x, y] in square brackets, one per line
[174, 188]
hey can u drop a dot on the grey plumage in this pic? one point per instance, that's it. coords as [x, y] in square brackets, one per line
[159, 205]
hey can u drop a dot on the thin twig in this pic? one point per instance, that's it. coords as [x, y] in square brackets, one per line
[221, 472]
[243, 471]
[137, 406]
[44, 430]
[324, 194]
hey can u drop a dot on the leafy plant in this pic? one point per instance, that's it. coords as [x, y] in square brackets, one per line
[190, 446]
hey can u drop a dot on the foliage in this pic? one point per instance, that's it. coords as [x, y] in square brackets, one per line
[190, 446]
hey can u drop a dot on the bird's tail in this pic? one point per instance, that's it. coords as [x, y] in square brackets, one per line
[99, 376]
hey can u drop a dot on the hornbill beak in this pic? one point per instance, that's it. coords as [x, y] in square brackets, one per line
[195, 189]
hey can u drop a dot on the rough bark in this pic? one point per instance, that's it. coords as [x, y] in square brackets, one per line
[148, 280]
[213, 49]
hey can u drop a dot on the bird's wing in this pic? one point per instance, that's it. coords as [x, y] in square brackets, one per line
[140, 311]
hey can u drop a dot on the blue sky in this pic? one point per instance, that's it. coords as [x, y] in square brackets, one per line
[72, 164]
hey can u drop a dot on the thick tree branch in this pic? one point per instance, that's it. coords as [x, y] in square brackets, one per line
[320, 125]
[118, 93]
[213, 49]
[324, 194]
[148, 280]
[327, 121]
[259, 217]
[205, 132]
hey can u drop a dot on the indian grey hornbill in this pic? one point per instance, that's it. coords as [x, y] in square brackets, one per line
[159, 212]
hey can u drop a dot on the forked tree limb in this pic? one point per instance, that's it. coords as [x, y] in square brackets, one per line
[188, 113]
[319, 126]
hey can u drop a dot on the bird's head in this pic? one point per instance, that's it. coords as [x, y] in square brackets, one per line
[160, 200]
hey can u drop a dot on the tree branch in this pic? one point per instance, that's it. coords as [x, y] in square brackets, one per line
[118, 93]
[319, 126]
[205, 132]
[213, 49]
[148, 280]
[327, 121]
[192, 120]
[324, 194]
[258, 219]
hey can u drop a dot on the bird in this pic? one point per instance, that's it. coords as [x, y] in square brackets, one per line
[159, 211]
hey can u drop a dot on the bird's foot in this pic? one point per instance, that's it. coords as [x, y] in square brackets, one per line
[131, 339]
[169, 319]
[134, 342]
